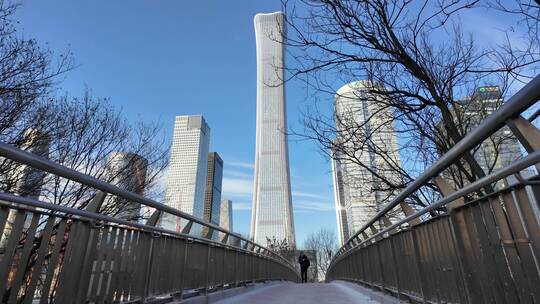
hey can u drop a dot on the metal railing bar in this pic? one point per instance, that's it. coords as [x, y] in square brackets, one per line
[83, 215]
[6, 198]
[46, 165]
[534, 115]
[514, 106]
[529, 160]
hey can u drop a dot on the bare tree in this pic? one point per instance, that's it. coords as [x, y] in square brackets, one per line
[80, 133]
[84, 134]
[280, 246]
[527, 13]
[422, 65]
[28, 73]
[323, 242]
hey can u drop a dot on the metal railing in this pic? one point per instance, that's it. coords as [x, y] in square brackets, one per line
[53, 253]
[483, 250]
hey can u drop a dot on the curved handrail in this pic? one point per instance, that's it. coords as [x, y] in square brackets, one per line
[49, 166]
[530, 160]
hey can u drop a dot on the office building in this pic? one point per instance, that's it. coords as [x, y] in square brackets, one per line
[188, 165]
[500, 149]
[127, 171]
[212, 200]
[226, 215]
[503, 148]
[358, 111]
[272, 215]
[339, 200]
[29, 181]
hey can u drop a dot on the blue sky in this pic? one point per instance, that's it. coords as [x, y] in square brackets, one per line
[158, 59]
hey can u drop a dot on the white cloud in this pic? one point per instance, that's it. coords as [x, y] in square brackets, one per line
[237, 187]
[241, 206]
[240, 164]
[309, 195]
[237, 174]
[300, 206]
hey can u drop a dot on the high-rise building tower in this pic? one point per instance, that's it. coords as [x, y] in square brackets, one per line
[339, 199]
[127, 171]
[29, 180]
[272, 215]
[358, 108]
[188, 164]
[502, 147]
[225, 215]
[212, 200]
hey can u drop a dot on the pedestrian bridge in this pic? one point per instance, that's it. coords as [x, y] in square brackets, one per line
[338, 292]
[476, 244]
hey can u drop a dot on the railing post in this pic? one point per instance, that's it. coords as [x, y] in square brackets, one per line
[418, 265]
[395, 268]
[209, 233]
[77, 261]
[527, 134]
[187, 227]
[207, 268]
[408, 210]
[236, 268]
[182, 279]
[446, 189]
[225, 239]
[152, 221]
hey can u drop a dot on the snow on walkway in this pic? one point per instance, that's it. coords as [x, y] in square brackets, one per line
[311, 293]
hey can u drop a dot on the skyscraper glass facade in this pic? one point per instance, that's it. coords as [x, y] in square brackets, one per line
[339, 199]
[212, 200]
[188, 164]
[127, 171]
[272, 215]
[359, 111]
[226, 215]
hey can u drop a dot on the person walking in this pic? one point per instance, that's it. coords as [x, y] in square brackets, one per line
[304, 265]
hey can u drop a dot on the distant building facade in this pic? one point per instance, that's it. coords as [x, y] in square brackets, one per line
[356, 200]
[29, 181]
[188, 165]
[212, 200]
[126, 171]
[339, 200]
[501, 148]
[226, 215]
[272, 215]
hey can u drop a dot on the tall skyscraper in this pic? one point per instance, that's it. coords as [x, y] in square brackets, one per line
[355, 187]
[127, 171]
[339, 199]
[272, 215]
[29, 180]
[212, 200]
[501, 148]
[225, 215]
[186, 179]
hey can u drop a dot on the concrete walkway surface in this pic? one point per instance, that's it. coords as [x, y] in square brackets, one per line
[338, 292]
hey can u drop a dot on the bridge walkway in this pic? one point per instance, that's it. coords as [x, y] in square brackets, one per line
[337, 292]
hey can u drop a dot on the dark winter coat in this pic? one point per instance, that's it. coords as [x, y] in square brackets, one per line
[303, 261]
